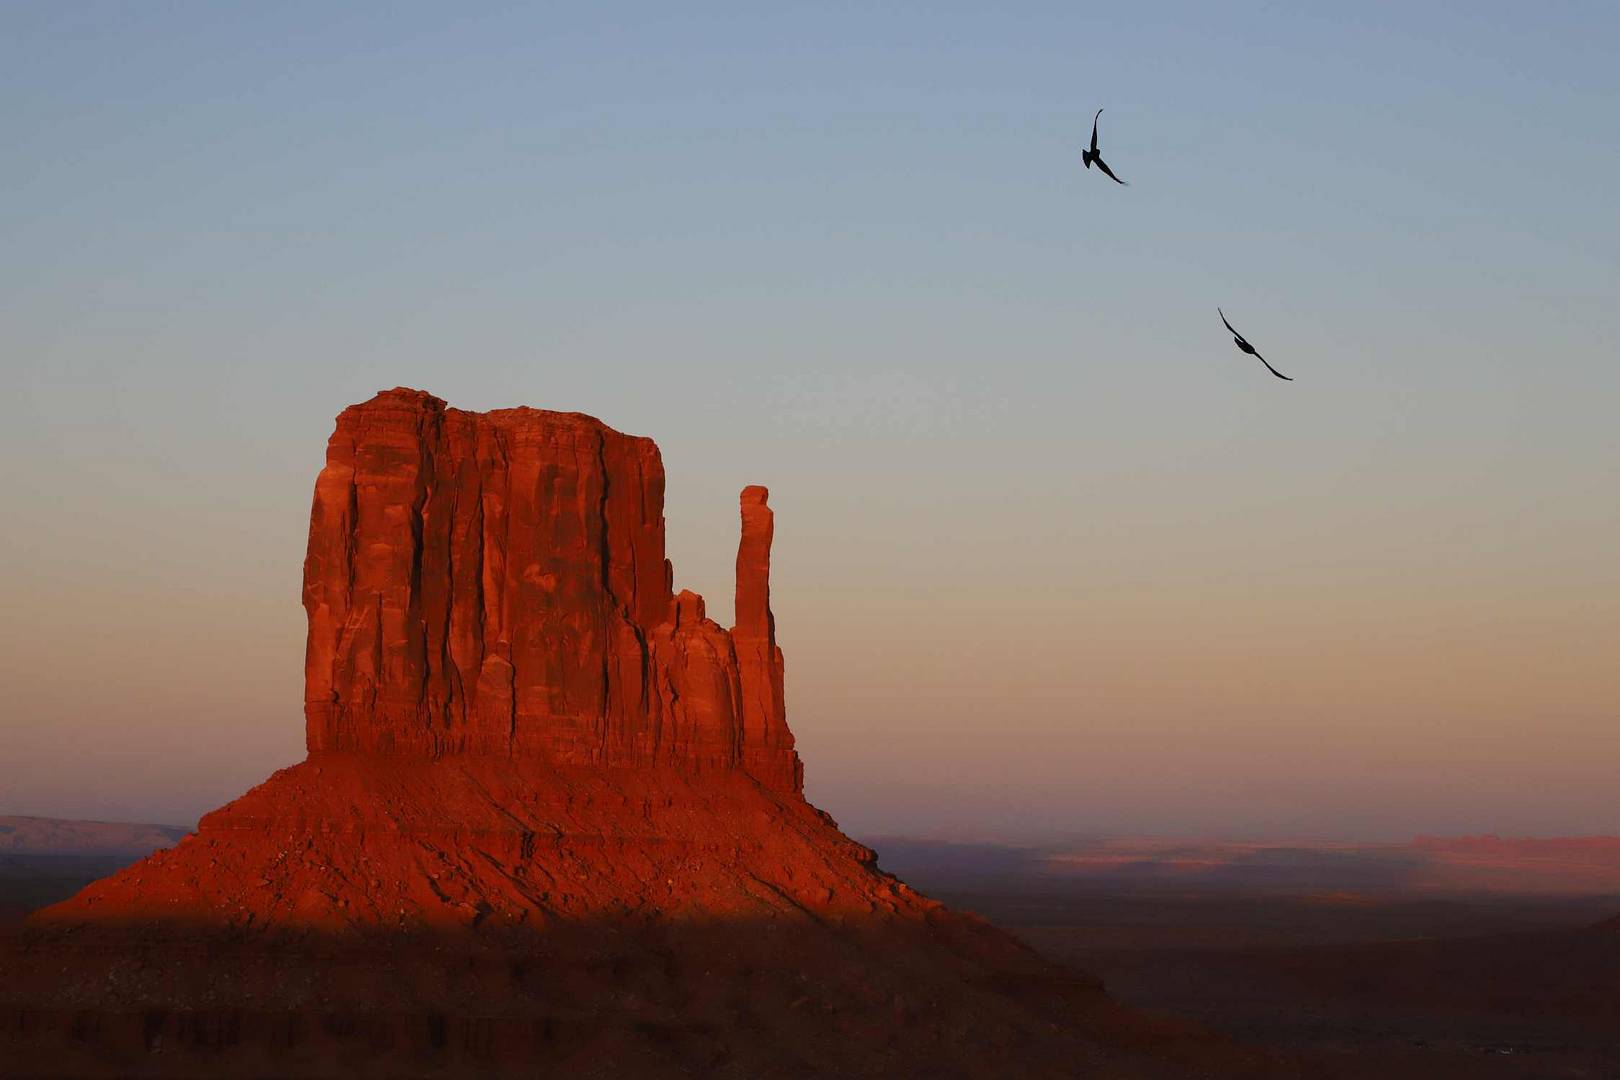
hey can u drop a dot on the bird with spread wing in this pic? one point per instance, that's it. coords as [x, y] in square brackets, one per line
[1244, 346]
[1088, 156]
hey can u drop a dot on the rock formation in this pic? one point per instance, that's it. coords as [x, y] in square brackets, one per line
[495, 584]
[510, 714]
[550, 816]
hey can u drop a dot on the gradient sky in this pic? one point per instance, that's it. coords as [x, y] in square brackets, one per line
[1052, 557]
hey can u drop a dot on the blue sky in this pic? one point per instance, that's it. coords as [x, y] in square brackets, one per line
[849, 251]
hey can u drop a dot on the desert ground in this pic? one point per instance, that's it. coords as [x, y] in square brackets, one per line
[1368, 980]
[1336, 983]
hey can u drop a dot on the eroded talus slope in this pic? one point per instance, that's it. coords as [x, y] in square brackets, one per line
[342, 841]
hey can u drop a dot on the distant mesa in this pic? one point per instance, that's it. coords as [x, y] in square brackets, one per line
[59, 836]
[1431, 866]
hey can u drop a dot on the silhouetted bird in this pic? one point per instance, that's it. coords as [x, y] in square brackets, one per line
[1088, 156]
[1246, 347]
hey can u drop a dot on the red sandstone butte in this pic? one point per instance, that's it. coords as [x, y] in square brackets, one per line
[510, 714]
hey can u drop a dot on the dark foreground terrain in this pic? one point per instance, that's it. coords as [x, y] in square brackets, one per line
[31, 881]
[1333, 985]
[161, 985]
[1346, 984]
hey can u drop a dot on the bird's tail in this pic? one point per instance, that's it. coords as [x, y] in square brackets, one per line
[1085, 156]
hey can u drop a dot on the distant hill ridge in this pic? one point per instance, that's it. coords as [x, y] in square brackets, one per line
[21, 835]
[1565, 865]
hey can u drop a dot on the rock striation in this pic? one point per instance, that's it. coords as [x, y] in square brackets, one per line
[496, 584]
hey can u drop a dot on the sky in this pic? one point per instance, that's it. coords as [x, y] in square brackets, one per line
[1052, 557]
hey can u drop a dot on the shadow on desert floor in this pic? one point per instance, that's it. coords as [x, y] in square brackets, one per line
[789, 997]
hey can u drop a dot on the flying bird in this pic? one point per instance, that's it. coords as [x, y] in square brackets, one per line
[1088, 156]
[1244, 346]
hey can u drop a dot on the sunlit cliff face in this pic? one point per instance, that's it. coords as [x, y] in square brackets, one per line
[495, 584]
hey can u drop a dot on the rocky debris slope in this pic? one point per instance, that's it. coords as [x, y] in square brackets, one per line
[345, 841]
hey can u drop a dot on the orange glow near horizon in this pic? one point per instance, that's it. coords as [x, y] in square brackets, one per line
[1093, 680]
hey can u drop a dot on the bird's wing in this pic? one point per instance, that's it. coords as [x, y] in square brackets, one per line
[1222, 314]
[1094, 131]
[1271, 369]
[1103, 165]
